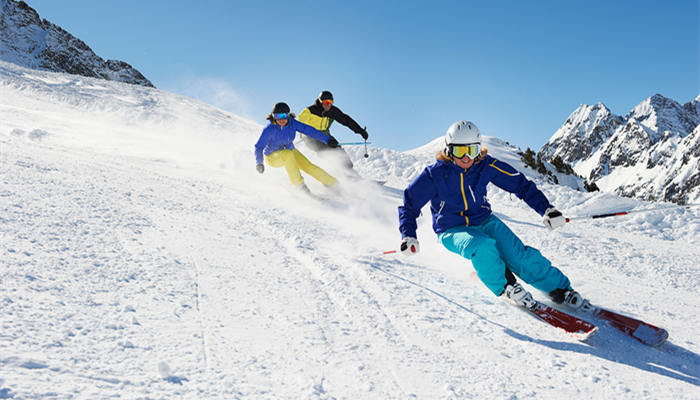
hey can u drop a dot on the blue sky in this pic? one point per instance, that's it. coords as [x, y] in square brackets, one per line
[404, 69]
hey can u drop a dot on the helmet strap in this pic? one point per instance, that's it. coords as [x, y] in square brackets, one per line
[448, 153]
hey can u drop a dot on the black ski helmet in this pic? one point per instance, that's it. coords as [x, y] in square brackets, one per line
[280, 108]
[325, 95]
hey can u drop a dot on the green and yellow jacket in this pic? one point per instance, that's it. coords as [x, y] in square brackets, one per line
[315, 116]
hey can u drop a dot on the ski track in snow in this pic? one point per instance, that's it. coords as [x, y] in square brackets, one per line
[142, 277]
[152, 270]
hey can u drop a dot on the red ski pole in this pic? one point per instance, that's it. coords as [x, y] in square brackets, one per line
[413, 250]
[616, 214]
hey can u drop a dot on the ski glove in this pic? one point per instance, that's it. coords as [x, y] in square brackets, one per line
[332, 143]
[260, 168]
[364, 134]
[553, 219]
[409, 246]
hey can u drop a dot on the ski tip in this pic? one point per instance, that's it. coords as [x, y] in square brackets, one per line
[657, 339]
[663, 339]
[643, 332]
[574, 326]
[650, 335]
[316, 197]
[584, 336]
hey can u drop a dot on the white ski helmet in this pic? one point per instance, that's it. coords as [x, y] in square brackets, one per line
[463, 132]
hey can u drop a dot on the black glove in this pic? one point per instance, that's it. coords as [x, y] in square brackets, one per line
[332, 143]
[364, 134]
[260, 168]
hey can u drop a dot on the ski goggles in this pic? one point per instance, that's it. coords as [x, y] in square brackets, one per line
[461, 150]
[327, 102]
[280, 116]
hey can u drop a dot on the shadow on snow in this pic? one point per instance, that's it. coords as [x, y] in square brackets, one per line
[669, 360]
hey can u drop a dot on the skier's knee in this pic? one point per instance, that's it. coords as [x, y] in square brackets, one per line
[480, 247]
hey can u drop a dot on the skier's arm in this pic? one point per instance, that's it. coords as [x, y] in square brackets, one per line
[416, 195]
[309, 130]
[509, 179]
[260, 145]
[345, 119]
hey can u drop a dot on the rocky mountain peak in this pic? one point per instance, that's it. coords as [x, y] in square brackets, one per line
[650, 153]
[584, 130]
[660, 115]
[29, 41]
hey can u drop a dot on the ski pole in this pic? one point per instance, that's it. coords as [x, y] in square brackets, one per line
[389, 252]
[353, 143]
[366, 154]
[616, 214]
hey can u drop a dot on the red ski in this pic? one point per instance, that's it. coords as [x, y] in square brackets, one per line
[644, 332]
[574, 326]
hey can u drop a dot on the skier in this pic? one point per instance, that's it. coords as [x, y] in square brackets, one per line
[276, 142]
[455, 185]
[321, 115]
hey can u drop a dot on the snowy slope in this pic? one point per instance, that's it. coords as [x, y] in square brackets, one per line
[141, 256]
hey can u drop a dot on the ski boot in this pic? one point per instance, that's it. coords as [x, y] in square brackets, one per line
[571, 299]
[518, 295]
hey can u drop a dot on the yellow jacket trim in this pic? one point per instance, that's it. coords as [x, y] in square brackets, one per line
[464, 197]
[507, 173]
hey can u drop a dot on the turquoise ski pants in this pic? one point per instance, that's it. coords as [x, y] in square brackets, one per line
[492, 247]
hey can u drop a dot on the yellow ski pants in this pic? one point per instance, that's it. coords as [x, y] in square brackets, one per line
[293, 161]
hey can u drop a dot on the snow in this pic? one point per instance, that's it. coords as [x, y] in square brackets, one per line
[142, 256]
[28, 40]
[584, 118]
[618, 153]
[397, 168]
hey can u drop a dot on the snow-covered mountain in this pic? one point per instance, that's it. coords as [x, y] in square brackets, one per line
[142, 256]
[397, 168]
[29, 41]
[652, 153]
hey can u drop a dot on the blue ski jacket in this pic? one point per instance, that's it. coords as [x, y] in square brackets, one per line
[458, 197]
[274, 137]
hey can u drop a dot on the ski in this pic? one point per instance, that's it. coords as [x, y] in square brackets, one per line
[574, 326]
[304, 193]
[316, 197]
[644, 332]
